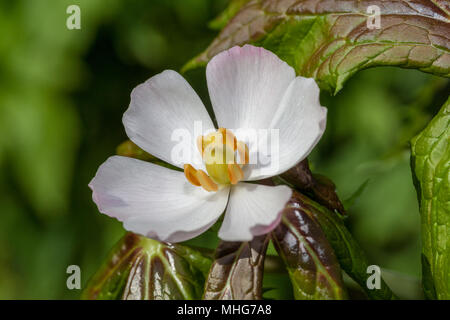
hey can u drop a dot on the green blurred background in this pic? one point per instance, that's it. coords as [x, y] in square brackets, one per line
[62, 96]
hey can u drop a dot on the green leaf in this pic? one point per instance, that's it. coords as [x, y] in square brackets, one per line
[311, 263]
[222, 20]
[139, 268]
[351, 257]
[237, 271]
[427, 279]
[330, 40]
[430, 161]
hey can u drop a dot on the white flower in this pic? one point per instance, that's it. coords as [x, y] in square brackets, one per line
[250, 88]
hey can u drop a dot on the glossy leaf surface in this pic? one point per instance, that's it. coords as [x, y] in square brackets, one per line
[139, 268]
[351, 257]
[431, 170]
[330, 40]
[312, 265]
[237, 272]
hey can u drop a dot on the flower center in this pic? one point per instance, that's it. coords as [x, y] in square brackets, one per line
[218, 150]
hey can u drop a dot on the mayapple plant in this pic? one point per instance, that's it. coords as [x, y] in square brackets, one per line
[183, 169]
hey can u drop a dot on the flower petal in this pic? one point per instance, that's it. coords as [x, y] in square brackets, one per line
[246, 85]
[253, 210]
[155, 201]
[162, 117]
[300, 121]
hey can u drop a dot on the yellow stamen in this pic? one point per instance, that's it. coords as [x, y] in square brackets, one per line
[218, 150]
[199, 178]
[228, 138]
[204, 141]
[206, 181]
[190, 174]
[243, 152]
[235, 173]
